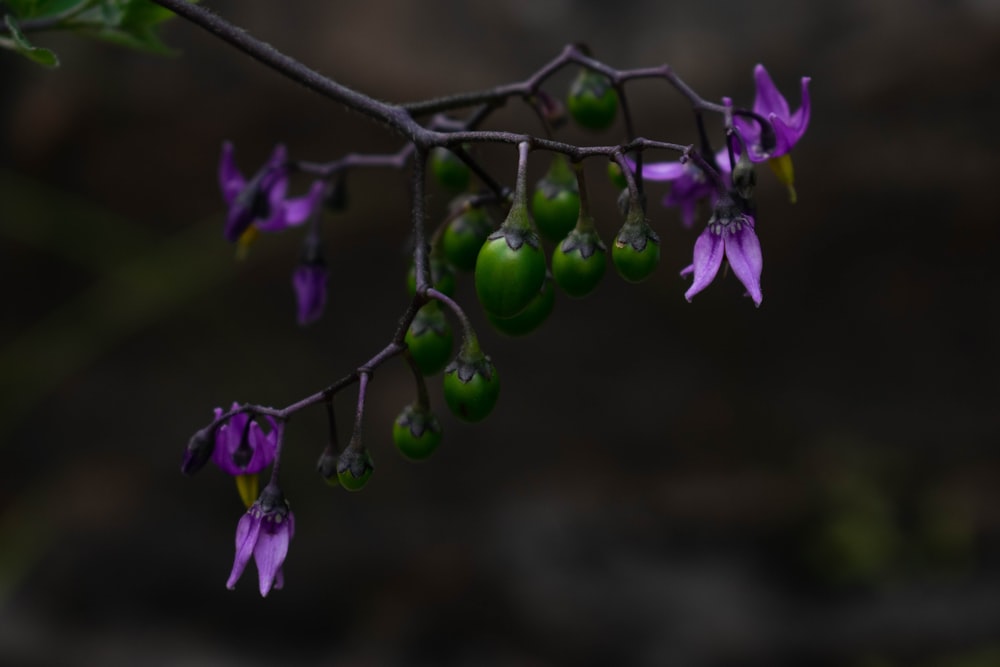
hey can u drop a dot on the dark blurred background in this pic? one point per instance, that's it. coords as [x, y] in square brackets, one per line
[662, 483]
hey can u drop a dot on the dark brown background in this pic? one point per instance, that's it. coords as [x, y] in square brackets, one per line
[662, 483]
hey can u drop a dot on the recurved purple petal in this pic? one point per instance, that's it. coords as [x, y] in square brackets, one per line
[661, 171]
[247, 534]
[271, 549]
[708, 252]
[227, 442]
[299, 209]
[744, 257]
[768, 100]
[231, 181]
[264, 446]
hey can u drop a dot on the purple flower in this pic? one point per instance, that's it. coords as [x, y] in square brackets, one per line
[264, 532]
[769, 103]
[689, 184]
[260, 202]
[241, 446]
[309, 281]
[730, 234]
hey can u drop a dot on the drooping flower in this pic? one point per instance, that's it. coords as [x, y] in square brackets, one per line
[264, 532]
[259, 204]
[771, 104]
[242, 450]
[309, 281]
[729, 234]
[241, 446]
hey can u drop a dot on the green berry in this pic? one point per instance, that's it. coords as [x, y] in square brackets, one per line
[464, 237]
[592, 102]
[510, 270]
[471, 387]
[430, 339]
[578, 263]
[616, 176]
[416, 432]
[354, 467]
[442, 277]
[555, 205]
[449, 170]
[533, 315]
[636, 251]
[555, 211]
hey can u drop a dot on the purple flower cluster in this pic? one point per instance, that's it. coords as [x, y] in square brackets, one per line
[730, 233]
[260, 204]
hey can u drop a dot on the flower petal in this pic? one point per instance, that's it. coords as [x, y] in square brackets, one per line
[227, 441]
[768, 100]
[744, 257]
[309, 281]
[661, 171]
[247, 533]
[708, 252]
[231, 181]
[298, 210]
[800, 119]
[271, 549]
[264, 445]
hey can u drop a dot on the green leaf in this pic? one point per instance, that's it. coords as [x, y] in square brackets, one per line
[129, 23]
[21, 45]
[25, 9]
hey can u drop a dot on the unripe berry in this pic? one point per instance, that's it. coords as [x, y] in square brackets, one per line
[533, 315]
[579, 262]
[430, 339]
[449, 170]
[510, 270]
[471, 386]
[592, 101]
[416, 432]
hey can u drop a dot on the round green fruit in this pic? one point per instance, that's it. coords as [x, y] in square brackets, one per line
[636, 264]
[471, 388]
[510, 270]
[449, 170]
[555, 210]
[430, 339]
[616, 176]
[533, 315]
[352, 483]
[592, 102]
[416, 433]
[465, 236]
[442, 277]
[578, 263]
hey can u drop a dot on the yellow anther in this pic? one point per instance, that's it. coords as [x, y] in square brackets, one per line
[249, 488]
[245, 241]
[783, 169]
